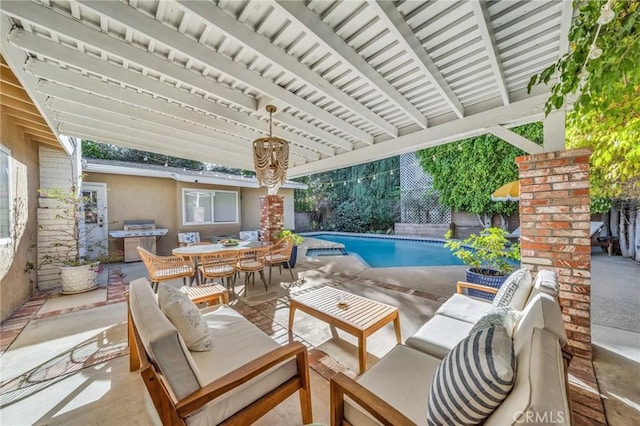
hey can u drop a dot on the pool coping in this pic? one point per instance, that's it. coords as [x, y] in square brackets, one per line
[379, 236]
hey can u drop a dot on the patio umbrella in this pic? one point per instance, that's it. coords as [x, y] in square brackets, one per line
[507, 192]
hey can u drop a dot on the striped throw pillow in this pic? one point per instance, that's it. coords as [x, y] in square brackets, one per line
[473, 379]
[499, 316]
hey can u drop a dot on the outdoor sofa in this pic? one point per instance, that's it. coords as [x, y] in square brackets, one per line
[243, 374]
[397, 390]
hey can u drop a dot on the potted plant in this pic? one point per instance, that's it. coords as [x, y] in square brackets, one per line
[67, 243]
[297, 239]
[487, 254]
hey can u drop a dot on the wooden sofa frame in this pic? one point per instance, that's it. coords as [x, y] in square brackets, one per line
[175, 412]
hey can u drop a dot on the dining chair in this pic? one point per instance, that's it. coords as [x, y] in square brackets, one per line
[163, 268]
[186, 238]
[279, 253]
[250, 261]
[221, 264]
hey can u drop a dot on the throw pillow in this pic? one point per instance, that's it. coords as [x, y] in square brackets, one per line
[473, 379]
[514, 292]
[499, 316]
[185, 317]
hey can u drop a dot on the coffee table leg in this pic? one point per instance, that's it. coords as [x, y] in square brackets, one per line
[362, 352]
[225, 297]
[396, 326]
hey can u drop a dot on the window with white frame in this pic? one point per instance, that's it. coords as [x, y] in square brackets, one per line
[5, 195]
[201, 207]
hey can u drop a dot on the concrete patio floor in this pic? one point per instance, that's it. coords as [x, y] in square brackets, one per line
[68, 363]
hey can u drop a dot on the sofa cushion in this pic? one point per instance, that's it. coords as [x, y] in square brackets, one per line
[464, 308]
[544, 312]
[161, 340]
[439, 335]
[515, 291]
[498, 316]
[186, 317]
[545, 282]
[539, 395]
[401, 378]
[227, 325]
[473, 379]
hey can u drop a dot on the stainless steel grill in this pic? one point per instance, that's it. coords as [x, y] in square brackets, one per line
[136, 233]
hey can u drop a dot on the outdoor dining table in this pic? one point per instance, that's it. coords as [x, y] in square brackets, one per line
[195, 251]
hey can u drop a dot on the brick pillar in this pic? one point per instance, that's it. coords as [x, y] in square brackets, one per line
[554, 220]
[271, 216]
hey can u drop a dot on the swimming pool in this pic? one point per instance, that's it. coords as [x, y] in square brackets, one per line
[385, 252]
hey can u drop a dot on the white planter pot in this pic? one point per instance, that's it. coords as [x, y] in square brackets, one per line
[78, 279]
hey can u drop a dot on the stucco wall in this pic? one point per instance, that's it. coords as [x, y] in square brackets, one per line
[159, 199]
[131, 198]
[251, 207]
[15, 283]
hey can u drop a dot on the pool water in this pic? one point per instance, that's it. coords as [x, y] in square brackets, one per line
[380, 252]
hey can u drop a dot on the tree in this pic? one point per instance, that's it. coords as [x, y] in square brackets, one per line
[104, 151]
[465, 173]
[606, 113]
[368, 192]
[601, 73]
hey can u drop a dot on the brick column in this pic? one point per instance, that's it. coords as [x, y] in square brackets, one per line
[554, 220]
[271, 216]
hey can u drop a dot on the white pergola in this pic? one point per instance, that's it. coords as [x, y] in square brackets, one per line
[354, 81]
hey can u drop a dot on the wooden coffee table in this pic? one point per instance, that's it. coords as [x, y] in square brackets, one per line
[360, 316]
[208, 293]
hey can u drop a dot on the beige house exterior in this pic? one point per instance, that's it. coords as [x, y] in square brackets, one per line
[136, 192]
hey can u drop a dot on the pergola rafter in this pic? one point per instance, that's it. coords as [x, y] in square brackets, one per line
[353, 81]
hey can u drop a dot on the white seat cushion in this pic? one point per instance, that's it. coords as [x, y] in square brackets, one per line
[161, 340]
[546, 282]
[464, 308]
[539, 395]
[402, 378]
[227, 325]
[544, 312]
[439, 335]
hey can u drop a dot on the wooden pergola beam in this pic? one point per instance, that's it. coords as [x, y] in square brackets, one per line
[31, 125]
[20, 105]
[39, 133]
[33, 118]
[12, 91]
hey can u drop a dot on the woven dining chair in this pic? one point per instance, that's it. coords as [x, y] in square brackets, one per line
[221, 264]
[163, 268]
[280, 253]
[250, 261]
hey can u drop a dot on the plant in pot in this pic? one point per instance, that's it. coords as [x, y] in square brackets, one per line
[488, 254]
[297, 239]
[64, 240]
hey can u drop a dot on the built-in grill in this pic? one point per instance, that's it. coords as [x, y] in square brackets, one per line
[136, 233]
